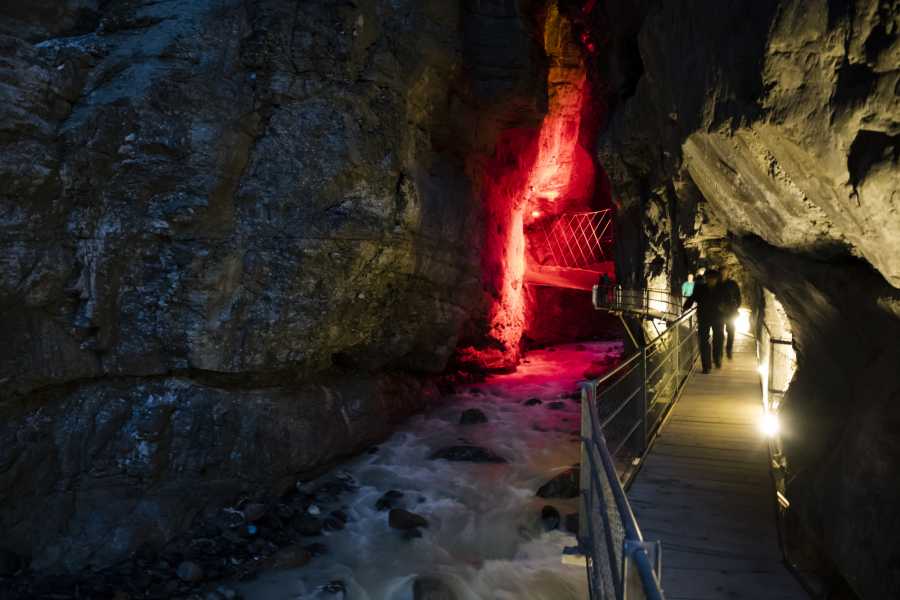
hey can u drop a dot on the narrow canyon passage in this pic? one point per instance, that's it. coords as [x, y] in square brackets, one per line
[484, 537]
[244, 241]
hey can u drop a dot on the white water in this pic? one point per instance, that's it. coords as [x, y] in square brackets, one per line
[484, 538]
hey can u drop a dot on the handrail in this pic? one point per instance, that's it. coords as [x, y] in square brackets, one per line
[647, 302]
[627, 406]
[770, 377]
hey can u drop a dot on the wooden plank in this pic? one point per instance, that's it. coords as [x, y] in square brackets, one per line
[705, 492]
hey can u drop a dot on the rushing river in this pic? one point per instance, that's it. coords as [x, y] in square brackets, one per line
[485, 538]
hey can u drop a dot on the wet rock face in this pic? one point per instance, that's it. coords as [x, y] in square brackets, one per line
[764, 136]
[220, 221]
[116, 467]
[239, 199]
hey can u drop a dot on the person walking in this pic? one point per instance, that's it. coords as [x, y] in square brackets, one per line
[687, 288]
[731, 302]
[707, 295]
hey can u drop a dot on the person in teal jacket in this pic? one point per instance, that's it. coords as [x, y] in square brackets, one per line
[687, 288]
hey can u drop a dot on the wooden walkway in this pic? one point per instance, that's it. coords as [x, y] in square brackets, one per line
[705, 492]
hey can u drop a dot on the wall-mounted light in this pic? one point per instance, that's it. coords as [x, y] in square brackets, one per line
[535, 213]
[769, 425]
[742, 320]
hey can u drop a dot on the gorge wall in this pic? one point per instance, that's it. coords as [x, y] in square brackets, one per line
[236, 236]
[765, 135]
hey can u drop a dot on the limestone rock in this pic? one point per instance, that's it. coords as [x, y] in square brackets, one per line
[190, 572]
[402, 519]
[550, 518]
[432, 588]
[772, 148]
[564, 485]
[223, 226]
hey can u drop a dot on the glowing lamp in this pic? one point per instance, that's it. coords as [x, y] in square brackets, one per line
[742, 321]
[535, 213]
[769, 425]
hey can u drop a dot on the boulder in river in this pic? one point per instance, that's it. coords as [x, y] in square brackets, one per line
[432, 588]
[190, 572]
[533, 402]
[308, 525]
[472, 416]
[405, 520]
[254, 512]
[291, 557]
[564, 485]
[550, 518]
[474, 454]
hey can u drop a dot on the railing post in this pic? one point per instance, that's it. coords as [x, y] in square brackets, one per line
[642, 401]
[587, 439]
[677, 355]
[771, 377]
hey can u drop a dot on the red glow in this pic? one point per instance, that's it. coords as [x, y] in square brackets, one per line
[535, 176]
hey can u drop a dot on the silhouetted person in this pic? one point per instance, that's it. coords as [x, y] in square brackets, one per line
[731, 302]
[708, 297]
[687, 288]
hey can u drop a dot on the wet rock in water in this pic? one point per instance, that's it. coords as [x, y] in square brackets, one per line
[564, 485]
[533, 402]
[308, 525]
[227, 592]
[373, 450]
[472, 416]
[190, 572]
[316, 549]
[336, 587]
[262, 547]
[411, 534]
[571, 523]
[203, 546]
[405, 520]
[333, 524]
[432, 588]
[474, 454]
[285, 511]
[550, 518]
[388, 500]
[254, 512]
[556, 405]
[291, 557]
[340, 515]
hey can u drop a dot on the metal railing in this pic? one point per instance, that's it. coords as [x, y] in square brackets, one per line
[777, 363]
[579, 240]
[648, 303]
[620, 415]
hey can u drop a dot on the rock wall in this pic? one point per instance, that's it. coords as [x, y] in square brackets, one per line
[765, 133]
[227, 229]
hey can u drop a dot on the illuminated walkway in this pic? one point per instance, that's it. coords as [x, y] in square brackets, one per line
[705, 492]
